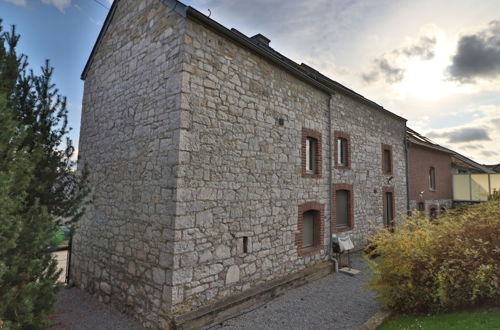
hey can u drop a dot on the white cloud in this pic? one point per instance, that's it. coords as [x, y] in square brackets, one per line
[485, 152]
[18, 2]
[59, 4]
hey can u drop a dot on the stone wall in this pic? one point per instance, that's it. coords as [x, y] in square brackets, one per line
[240, 170]
[123, 248]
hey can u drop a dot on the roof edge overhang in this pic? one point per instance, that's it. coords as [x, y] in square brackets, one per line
[318, 82]
[329, 87]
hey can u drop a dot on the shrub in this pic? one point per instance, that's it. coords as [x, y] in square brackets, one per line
[451, 262]
[495, 196]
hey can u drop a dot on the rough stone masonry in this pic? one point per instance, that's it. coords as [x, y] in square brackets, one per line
[194, 142]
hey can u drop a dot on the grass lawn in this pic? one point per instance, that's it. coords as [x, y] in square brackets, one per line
[487, 318]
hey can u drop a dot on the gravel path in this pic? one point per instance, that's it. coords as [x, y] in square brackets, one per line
[337, 301]
[78, 310]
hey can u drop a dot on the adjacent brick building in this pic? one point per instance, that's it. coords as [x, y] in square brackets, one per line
[217, 164]
[429, 175]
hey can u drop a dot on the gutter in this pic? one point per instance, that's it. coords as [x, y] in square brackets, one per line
[407, 145]
[330, 182]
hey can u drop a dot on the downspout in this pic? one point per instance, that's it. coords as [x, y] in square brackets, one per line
[407, 161]
[330, 181]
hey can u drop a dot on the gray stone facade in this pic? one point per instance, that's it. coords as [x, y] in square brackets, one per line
[196, 184]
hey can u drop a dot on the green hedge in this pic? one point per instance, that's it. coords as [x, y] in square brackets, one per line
[432, 266]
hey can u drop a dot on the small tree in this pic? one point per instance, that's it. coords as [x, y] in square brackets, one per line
[38, 187]
[495, 195]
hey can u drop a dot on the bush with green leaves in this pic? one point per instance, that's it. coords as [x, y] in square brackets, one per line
[444, 264]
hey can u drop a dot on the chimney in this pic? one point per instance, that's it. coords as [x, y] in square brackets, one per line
[261, 39]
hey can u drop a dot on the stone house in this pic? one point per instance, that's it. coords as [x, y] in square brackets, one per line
[218, 165]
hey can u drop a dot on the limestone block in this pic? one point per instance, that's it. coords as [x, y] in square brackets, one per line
[223, 252]
[233, 274]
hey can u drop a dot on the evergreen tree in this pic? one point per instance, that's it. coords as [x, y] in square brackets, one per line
[38, 187]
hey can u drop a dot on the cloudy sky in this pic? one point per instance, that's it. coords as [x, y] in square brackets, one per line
[436, 63]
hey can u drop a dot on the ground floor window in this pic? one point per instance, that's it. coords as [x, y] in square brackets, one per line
[343, 218]
[389, 209]
[310, 228]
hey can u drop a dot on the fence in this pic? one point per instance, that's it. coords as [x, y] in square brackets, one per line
[474, 187]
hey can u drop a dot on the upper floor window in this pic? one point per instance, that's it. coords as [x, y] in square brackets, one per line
[342, 150]
[432, 178]
[311, 153]
[311, 145]
[386, 159]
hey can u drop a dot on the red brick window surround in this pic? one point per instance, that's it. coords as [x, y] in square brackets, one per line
[389, 208]
[343, 207]
[311, 154]
[309, 237]
[342, 150]
[387, 159]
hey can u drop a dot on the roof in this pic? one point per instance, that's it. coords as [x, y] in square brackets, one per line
[458, 160]
[301, 71]
[494, 167]
[420, 140]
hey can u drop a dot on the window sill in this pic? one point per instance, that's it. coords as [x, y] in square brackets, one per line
[310, 250]
[342, 229]
[312, 175]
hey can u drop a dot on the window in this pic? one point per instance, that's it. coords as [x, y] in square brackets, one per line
[311, 144]
[421, 206]
[310, 228]
[343, 207]
[311, 153]
[388, 209]
[386, 159]
[432, 178]
[342, 150]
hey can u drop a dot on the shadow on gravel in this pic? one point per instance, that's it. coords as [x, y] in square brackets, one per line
[336, 301]
[78, 310]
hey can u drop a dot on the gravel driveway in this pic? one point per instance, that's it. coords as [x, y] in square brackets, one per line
[336, 301]
[78, 310]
